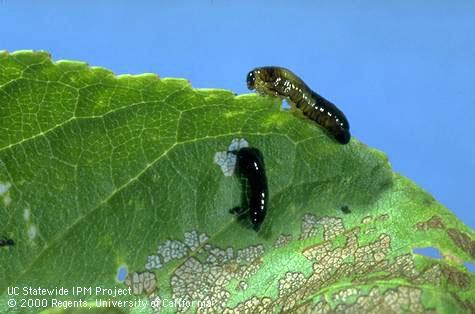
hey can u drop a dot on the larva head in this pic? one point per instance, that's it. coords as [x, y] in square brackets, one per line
[251, 80]
[269, 80]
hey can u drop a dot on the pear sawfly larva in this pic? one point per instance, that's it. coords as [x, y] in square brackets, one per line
[251, 171]
[281, 82]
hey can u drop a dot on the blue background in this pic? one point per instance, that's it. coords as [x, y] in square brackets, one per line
[403, 73]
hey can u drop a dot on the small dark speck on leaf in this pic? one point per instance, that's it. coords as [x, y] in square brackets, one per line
[345, 209]
[6, 242]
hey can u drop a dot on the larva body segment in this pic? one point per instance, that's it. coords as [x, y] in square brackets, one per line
[250, 169]
[281, 82]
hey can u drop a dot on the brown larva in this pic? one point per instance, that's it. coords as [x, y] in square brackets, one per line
[281, 82]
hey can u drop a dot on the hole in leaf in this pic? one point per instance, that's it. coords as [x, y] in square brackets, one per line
[428, 251]
[470, 267]
[122, 273]
[285, 104]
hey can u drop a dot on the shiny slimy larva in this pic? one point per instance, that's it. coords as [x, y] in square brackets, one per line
[281, 82]
[250, 168]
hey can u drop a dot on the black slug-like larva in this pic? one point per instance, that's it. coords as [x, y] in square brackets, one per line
[281, 82]
[250, 169]
[6, 242]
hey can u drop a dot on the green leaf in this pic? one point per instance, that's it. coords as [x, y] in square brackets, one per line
[99, 173]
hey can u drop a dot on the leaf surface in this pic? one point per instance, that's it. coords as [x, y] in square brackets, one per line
[102, 174]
